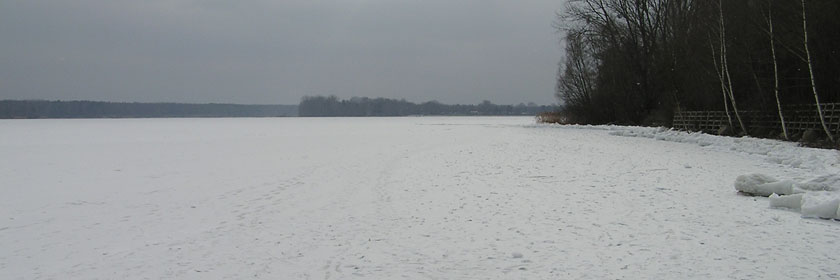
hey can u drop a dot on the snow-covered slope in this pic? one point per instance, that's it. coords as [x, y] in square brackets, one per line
[384, 198]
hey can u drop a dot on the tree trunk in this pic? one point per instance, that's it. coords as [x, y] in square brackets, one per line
[775, 69]
[725, 66]
[722, 82]
[811, 71]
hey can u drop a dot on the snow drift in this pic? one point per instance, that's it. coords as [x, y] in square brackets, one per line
[818, 197]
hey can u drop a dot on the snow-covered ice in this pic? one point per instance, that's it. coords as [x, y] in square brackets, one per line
[384, 198]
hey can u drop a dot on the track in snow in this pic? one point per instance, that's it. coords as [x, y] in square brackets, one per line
[386, 198]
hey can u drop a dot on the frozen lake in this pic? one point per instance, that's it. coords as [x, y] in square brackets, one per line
[385, 198]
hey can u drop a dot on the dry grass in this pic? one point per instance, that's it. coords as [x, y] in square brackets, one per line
[552, 117]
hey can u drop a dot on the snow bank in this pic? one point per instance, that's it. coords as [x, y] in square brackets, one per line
[818, 161]
[817, 198]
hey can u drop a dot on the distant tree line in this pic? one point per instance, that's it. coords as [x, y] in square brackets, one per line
[639, 61]
[331, 106]
[34, 109]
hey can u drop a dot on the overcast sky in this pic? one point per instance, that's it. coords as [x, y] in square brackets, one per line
[275, 52]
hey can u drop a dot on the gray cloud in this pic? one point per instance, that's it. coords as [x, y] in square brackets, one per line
[277, 51]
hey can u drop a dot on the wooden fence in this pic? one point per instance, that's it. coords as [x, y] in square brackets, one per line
[798, 118]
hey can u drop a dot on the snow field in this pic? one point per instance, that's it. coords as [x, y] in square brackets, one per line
[385, 198]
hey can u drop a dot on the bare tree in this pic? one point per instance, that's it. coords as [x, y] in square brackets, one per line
[775, 67]
[722, 82]
[644, 63]
[725, 66]
[575, 79]
[811, 72]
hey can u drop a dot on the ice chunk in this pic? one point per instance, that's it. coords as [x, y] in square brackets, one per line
[830, 182]
[784, 187]
[793, 201]
[763, 185]
[748, 182]
[820, 205]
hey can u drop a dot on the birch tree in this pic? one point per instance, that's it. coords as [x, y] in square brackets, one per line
[811, 72]
[719, 73]
[775, 67]
[725, 67]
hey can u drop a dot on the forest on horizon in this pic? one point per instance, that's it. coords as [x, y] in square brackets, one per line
[42, 109]
[332, 106]
[310, 106]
